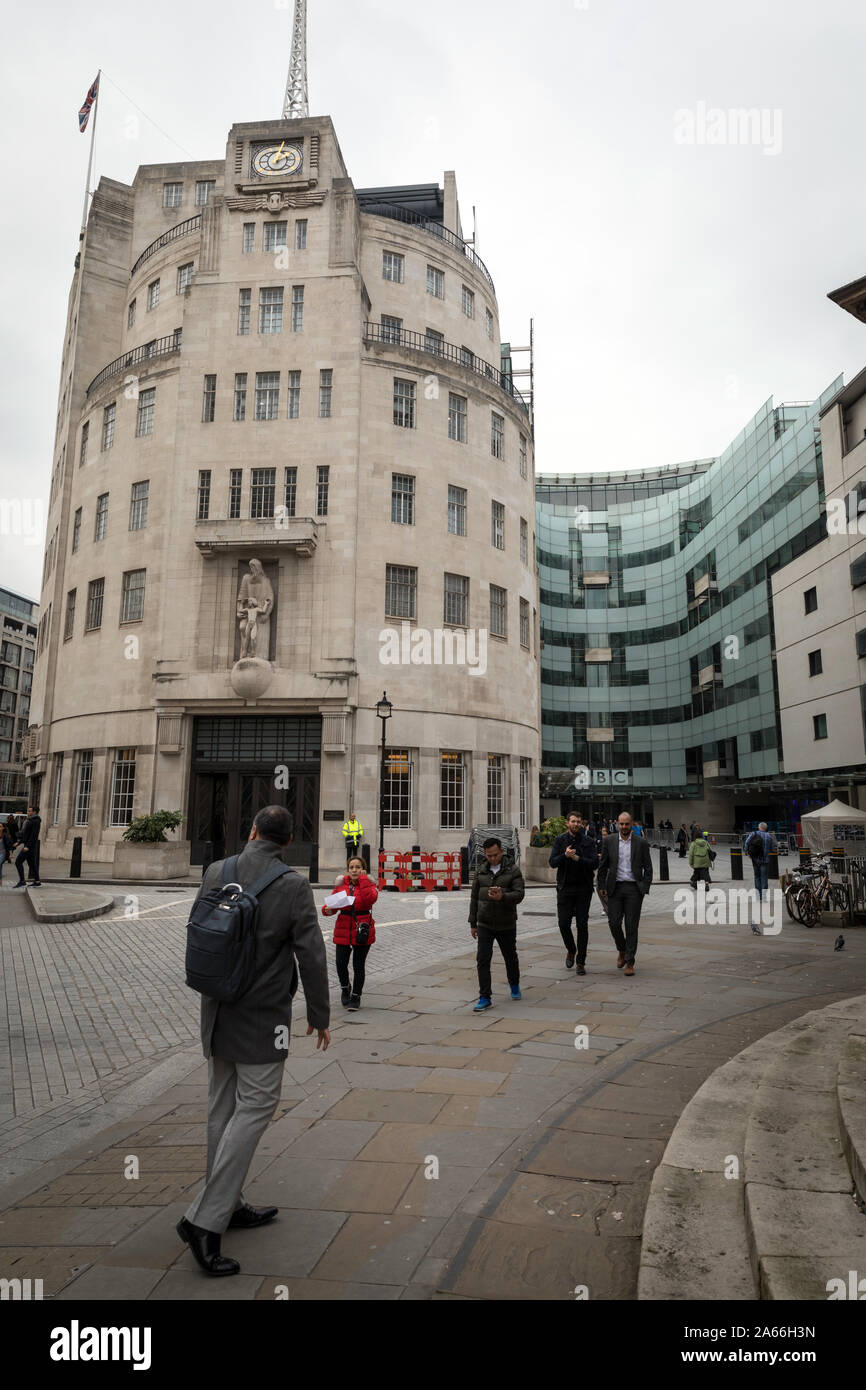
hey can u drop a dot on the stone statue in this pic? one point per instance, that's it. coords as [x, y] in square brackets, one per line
[255, 605]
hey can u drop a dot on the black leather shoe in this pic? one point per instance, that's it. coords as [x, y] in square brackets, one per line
[569, 961]
[581, 969]
[205, 1246]
[247, 1216]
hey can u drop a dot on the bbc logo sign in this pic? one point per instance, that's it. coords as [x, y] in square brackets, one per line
[601, 777]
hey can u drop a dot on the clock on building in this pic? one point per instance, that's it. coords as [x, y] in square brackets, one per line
[275, 160]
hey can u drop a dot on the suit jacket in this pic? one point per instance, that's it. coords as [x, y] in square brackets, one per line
[641, 863]
[288, 927]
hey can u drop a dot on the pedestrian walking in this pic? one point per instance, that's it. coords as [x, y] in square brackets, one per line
[759, 846]
[354, 931]
[7, 844]
[575, 857]
[246, 1042]
[682, 840]
[624, 878]
[497, 888]
[353, 834]
[700, 856]
[28, 838]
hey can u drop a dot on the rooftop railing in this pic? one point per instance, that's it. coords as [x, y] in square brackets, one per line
[192, 224]
[415, 219]
[435, 347]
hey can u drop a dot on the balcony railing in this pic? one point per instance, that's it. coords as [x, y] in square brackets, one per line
[450, 352]
[414, 219]
[192, 224]
[159, 347]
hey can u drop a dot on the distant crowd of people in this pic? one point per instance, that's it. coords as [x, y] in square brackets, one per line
[23, 836]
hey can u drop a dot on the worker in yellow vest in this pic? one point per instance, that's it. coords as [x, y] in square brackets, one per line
[353, 832]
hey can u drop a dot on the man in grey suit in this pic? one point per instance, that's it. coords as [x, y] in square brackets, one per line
[246, 1043]
[624, 877]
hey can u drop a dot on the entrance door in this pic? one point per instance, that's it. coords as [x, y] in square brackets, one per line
[208, 817]
[225, 804]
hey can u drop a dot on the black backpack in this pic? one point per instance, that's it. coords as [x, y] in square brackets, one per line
[221, 935]
[755, 846]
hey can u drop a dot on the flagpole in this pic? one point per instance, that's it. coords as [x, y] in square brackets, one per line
[90, 158]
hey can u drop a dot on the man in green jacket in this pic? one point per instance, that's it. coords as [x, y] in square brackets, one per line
[353, 833]
[496, 890]
[699, 859]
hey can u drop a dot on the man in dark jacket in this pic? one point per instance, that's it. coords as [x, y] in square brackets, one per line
[247, 1042]
[624, 877]
[497, 888]
[574, 856]
[28, 836]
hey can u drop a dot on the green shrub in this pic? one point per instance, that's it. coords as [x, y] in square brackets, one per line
[551, 828]
[150, 830]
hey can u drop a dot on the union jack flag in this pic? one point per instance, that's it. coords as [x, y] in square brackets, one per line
[84, 113]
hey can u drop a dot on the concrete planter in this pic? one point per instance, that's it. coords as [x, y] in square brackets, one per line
[536, 869]
[143, 863]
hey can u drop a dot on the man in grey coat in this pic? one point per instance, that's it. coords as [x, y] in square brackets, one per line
[246, 1043]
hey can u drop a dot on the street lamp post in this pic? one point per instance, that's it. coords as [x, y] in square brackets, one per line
[383, 710]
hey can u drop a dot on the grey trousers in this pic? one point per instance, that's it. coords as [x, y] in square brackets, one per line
[240, 1105]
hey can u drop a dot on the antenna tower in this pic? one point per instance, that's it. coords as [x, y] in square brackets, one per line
[296, 106]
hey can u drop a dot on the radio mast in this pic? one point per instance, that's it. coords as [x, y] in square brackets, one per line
[296, 106]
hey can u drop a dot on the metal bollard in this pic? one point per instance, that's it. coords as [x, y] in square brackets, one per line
[365, 852]
[773, 871]
[314, 862]
[736, 864]
[208, 857]
[75, 866]
[664, 867]
[464, 864]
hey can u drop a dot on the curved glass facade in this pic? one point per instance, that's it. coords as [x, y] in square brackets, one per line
[658, 677]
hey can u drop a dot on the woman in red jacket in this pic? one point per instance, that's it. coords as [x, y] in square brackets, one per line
[355, 930]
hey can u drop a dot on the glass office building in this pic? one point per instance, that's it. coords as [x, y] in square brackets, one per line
[658, 675]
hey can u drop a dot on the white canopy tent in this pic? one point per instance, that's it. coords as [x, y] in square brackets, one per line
[837, 826]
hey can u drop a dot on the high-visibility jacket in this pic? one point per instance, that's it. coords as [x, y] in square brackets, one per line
[353, 830]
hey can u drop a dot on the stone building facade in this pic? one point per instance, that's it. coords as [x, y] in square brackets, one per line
[18, 619]
[264, 364]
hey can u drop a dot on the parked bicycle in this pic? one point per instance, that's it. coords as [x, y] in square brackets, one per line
[811, 891]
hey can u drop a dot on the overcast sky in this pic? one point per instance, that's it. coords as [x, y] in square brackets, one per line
[677, 272]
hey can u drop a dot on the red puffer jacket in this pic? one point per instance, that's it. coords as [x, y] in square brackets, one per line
[346, 928]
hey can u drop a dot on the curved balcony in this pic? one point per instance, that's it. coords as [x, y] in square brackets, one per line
[159, 347]
[450, 352]
[414, 219]
[192, 224]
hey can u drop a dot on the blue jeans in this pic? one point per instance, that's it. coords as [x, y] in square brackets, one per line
[762, 870]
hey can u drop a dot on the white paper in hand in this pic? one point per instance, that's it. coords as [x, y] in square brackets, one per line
[340, 899]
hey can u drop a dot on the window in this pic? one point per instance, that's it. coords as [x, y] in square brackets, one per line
[204, 481]
[185, 275]
[495, 789]
[525, 767]
[85, 435]
[95, 596]
[153, 294]
[457, 511]
[132, 601]
[467, 300]
[69, 625]
[146, 410]
[267, 395]
[150, 348]
[523, 456]
[524, 623]
[58, 784]
[249, 243]
[76, 530]
[122, 787]
[403, 499]
[130, 314]
[456, 612]
[524, 542]
[203, 190]
[457, 414]
[297, 308]
[404, 403]
[467, 356]
[401, 591]
[240, 410]
[819, 724]
[294, 395]
[172, 195]
[393, 267]
[291, 491]
[263, 493]
[497, 436]
[101, 523]
[83, 782]
[208, 408]
[810, 600]
[392, 329]
[323, 483]
[497, 525]
[138, 506]
[326, 388]
[275, 237]
[271, 310]
[488, 323]
[301, 234]
[236, 480]
[397, 798]
[108, 418]
[816, 667]
[452, 792]
[434, 341]
[498, 611]
[435, 282]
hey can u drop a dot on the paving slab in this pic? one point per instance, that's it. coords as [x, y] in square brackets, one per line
[408, 1107]
[718, 1266]
[378, 1250]
[595, 1157]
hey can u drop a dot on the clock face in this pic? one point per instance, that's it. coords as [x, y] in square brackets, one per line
[273, 161]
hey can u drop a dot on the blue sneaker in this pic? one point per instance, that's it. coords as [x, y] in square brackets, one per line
[483, 1003]
[515, 992]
